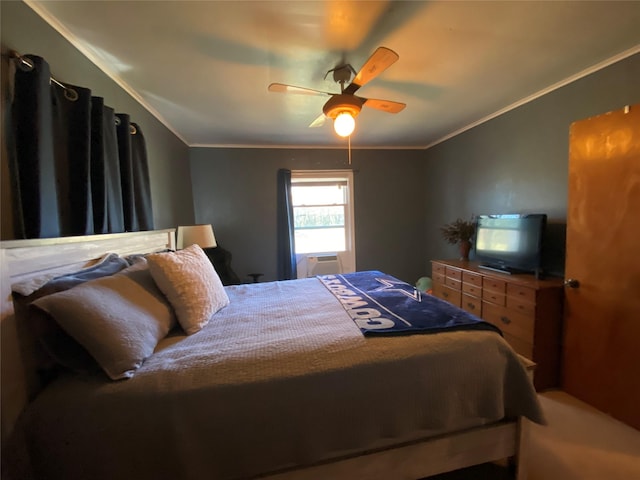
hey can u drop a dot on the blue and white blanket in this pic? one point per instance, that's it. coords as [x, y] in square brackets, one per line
[383, 305]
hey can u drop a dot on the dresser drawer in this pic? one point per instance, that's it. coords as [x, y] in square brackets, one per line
[472, 305]
[455, 273]
[453, 283]
[521, 293]
[452, 296]
[495, 285]
[437, 268]
[438, 277]
[494, 297]
[517, 324]
[521, 306]
[471, 289]
[472, 279]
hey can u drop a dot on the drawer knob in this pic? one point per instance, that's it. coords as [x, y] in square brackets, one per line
[445, 294]
[471, 306]
[505, 320]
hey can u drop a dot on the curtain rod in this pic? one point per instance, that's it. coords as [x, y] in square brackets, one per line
[70, 93]
[30, 66]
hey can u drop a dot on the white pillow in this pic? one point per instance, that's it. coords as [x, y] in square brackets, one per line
[191, 284]
[118, 319]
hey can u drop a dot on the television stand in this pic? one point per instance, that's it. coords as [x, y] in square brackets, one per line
[527, 309]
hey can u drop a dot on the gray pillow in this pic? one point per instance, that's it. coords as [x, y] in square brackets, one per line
[54, 346]
[118, 319]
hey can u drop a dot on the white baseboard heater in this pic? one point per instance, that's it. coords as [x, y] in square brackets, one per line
[325, 264]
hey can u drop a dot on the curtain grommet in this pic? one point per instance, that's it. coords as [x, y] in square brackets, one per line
[70, 94]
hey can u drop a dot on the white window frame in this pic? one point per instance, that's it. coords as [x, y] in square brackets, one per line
[347, 258]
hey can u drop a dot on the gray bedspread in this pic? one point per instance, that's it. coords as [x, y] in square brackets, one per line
[281, 377]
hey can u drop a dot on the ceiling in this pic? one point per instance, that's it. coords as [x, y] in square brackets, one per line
[203, 67]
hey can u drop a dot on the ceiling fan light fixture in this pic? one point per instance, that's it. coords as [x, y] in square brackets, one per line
[343, 109]
[344, 124]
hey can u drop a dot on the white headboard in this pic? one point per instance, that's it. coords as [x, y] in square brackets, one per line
[22, 260]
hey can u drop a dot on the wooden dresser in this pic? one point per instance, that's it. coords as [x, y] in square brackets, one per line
[527, 310]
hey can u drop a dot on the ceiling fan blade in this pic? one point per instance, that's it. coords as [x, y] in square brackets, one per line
[318, 122]
[381, 59]
[384, 105]
[282, 88]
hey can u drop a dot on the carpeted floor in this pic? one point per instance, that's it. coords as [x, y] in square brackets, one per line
[579, 443]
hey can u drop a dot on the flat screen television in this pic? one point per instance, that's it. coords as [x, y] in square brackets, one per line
[510, 243]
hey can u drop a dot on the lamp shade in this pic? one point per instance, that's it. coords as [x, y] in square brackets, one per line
[196, 234]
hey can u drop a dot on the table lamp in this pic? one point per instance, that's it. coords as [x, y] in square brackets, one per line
[201, 235]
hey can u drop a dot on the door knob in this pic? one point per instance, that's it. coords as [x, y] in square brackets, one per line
[571, 283]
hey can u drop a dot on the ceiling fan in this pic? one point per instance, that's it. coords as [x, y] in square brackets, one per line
[345, 106]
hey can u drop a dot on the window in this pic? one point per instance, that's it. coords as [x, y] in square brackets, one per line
[323, 215]
[318, 210]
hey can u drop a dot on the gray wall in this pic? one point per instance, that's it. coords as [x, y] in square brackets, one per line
[24, 31]
[518, 162]
[235, 190]
[514, 163]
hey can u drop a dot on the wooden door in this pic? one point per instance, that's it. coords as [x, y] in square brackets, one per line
[602, 317]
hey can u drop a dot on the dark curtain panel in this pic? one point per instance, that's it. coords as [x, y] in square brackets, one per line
[72, 152]
[123, 129]
[74, 172]
[286, 241]
[32, 166]
[98, 169]
[141, 182]
[106, 191]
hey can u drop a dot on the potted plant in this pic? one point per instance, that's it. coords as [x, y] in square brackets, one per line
[460, 232]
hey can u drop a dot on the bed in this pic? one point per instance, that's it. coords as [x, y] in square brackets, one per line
[279, 384]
